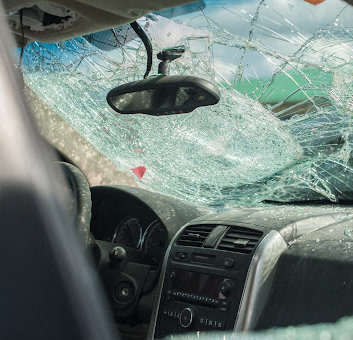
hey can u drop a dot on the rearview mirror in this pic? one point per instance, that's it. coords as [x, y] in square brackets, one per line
[163, 95]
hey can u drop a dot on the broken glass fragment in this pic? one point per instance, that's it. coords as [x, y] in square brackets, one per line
[348, 232]
[283, 130]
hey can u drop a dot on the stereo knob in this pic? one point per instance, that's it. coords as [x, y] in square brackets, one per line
[187, 317]
[227, 286]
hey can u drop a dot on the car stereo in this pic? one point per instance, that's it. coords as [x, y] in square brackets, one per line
[200, 297]
[203, 278]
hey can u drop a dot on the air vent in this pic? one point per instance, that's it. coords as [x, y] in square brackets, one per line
[240, 240]
[195, 235]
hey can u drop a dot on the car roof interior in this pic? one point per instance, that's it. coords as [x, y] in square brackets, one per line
[77, 17]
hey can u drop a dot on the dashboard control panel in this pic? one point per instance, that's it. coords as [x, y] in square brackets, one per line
[202, 291]
[204, 277]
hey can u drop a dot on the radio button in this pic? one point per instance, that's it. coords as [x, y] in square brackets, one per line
[228, 262]
[227, 286]
[219, 324]
[203, 321]
[187, 317]
[224, 306]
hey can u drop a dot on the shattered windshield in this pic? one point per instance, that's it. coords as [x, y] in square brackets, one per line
[282, 130]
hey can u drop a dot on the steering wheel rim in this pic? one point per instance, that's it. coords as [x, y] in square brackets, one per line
[82, 199]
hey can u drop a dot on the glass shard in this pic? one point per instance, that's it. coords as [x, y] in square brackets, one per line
[282, 130]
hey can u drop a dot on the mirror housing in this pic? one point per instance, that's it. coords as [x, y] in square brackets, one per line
[163, 95]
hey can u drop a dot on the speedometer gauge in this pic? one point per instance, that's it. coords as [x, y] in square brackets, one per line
[128, 233]
[155, 241]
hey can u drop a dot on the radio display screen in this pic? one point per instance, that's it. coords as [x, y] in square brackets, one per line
[197, 283]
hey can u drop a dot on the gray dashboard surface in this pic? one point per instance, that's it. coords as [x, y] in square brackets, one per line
[299, 267]
[292, 221]
[314, 279]
[306, 270]
[172, 212]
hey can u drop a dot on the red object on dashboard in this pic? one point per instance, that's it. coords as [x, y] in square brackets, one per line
[315, 2]
[139, 171]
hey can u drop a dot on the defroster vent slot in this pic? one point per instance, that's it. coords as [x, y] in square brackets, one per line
[195, 235]
[240, 240]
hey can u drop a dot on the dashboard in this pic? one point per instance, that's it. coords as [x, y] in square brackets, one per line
[256, 268]
[243, 269]
[137, 226]
[149, 236]
[151, 239]
[138, 219]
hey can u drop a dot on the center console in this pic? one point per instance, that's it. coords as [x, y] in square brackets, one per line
[205, 271]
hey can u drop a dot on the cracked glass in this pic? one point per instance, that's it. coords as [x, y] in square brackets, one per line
[282, 131]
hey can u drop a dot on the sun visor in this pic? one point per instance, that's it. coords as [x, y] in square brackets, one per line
[53, 21]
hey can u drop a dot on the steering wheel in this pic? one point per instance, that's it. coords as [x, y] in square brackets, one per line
[82, 203]
[124, 290]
